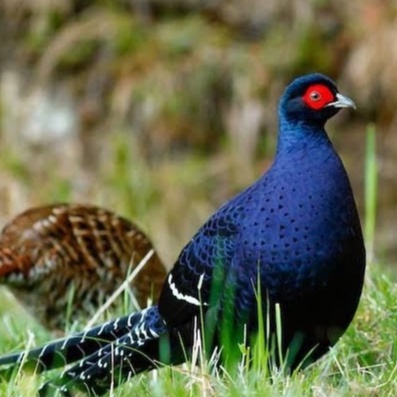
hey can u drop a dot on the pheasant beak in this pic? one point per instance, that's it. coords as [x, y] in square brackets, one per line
[342, 102]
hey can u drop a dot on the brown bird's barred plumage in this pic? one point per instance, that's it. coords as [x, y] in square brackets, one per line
[46, 250]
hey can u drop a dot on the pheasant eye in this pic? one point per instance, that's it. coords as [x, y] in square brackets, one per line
[315, 96]
[318, 96]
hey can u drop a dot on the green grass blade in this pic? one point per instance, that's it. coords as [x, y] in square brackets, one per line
[371, 184]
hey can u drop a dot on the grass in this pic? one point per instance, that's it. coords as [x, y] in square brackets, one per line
[363, 363]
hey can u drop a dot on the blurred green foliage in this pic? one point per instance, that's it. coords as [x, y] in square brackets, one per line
[167, 93]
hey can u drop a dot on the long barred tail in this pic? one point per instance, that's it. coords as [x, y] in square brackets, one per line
[115, 362]
[78, 346]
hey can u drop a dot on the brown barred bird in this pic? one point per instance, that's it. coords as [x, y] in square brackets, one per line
[46, 251]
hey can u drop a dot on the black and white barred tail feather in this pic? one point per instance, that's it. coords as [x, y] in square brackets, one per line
[68, 350]
[134, 352]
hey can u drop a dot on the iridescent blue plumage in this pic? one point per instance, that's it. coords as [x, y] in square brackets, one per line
[294, 235]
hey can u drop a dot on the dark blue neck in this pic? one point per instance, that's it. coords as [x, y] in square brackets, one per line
[297, 135]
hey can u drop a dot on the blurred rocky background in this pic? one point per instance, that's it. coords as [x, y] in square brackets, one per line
[163, 109]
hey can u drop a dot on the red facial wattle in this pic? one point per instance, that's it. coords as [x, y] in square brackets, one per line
[318, 96]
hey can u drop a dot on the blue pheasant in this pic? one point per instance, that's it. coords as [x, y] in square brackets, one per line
[291, 241]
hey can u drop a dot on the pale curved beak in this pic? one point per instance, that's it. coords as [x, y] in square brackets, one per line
[342, 102]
